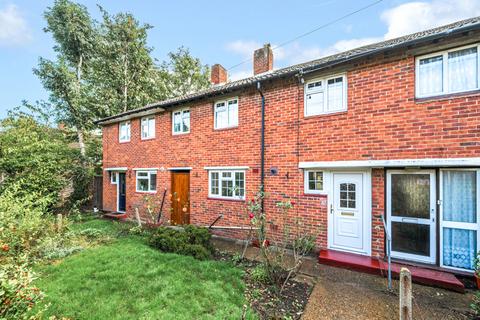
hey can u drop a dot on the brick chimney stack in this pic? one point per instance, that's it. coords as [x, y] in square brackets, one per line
[218, 74]
[263, 59]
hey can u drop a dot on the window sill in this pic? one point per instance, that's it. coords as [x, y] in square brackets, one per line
[180, 133]
[226, 199]
[327, 114]
[320, 194]
[448, 96]
[147, 139]
[226, 128]
[126, 141]
[147, 192]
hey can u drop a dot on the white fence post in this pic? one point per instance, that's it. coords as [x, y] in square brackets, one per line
[405, 294]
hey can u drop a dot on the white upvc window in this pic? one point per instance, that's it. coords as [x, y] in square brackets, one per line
[325, 95]
[459, 218]
[124, 131]
[315, 181]
[148, 127]
[181, 121]
[226, 184]
[226, 113]
[445, 72]
[146, 181]
[113, 177]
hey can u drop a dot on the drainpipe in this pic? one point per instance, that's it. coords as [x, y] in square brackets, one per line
[262, 145]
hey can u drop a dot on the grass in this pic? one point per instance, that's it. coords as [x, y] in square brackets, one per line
[126, 279]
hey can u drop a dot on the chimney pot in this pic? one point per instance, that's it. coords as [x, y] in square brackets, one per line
[218, 74]
[263, 59]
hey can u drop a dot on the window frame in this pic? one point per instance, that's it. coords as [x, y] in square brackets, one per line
[226, 101]
[324, 81]
[150, 117]
[120, 124]
[454, 224]
[113, 177]
[181, 111]
[149, 174]
[306, 181]
[445, 68]
[221, 178]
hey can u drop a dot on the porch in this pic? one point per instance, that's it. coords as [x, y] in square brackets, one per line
[420, 275]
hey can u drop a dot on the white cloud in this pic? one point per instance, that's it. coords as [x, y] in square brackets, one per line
[403, 19]
[416, 16]
[13, 27]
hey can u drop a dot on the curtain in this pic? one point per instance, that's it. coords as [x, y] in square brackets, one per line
[459, 205]
[459, 248]
[431, 75]
[460, 196]
[462, 70]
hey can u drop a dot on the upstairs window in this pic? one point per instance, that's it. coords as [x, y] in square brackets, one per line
[146, 181]
[148, 127]
[181, 121]
[326, 95]
[446, 72]
[226, 114]
[227, 184]
[124, 131]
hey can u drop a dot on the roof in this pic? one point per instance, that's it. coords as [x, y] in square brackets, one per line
[342, 57]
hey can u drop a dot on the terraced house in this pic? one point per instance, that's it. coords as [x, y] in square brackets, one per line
[390, 129]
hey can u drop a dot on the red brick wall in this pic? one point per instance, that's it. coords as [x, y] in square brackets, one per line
[383, 121]
[202, 147]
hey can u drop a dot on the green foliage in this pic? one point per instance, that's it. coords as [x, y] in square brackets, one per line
[18, 295]
[194, 241]
[197, 251]
[34, 158]
[183, 73]
[475, 305]
[260, 274]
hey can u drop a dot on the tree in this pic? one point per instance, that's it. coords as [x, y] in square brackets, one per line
[75, 37]
[124, 75]
[184, 74]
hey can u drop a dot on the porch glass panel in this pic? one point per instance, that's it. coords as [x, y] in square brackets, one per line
[411, 195]
[411, 238]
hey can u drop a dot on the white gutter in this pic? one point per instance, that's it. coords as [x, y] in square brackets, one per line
[434, 162]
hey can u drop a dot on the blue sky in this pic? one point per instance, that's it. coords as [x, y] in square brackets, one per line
[224, 32]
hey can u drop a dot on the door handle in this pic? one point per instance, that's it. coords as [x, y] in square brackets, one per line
[331, 209]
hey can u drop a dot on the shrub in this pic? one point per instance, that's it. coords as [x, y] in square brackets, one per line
[197, 251]
[193, 241]
[17, 294]
[198, 235]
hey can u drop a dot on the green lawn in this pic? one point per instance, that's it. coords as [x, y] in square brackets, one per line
[127, 279]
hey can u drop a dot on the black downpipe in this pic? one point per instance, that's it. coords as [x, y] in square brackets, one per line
[262, 146]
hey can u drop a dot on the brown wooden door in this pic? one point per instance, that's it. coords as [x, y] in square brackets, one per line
[180, 197]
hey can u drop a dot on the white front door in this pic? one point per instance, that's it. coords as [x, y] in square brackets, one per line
[411, 214]
[347, 213]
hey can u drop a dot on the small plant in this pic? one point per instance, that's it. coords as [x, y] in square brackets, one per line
[260, 274]
[293, 243]
[237, 258]
[475, 305]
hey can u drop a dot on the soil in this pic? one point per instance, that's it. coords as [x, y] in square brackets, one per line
[344, 294]
[266, 299]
